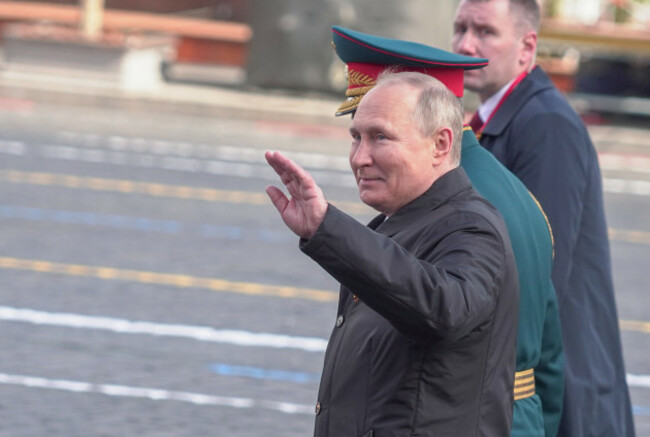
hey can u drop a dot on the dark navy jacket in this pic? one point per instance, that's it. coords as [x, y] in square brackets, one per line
[538, 136]
[424, 342]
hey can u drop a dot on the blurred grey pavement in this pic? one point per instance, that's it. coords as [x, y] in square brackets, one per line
[72, 146]
[236, 101]
[625, 135]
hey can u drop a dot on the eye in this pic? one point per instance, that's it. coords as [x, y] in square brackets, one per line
[380, 137]
[485, 31]
[460, 28]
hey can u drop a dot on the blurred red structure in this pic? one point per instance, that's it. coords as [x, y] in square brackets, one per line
[200, 37]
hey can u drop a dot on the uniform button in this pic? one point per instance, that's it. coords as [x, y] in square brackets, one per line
[318, 408]
[339, 321]
[355, 298]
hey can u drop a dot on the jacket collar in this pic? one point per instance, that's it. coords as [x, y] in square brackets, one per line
[444, 188]
[535, 82]
[469, 141]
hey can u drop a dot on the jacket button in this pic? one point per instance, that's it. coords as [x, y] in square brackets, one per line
[318, 408]
[355, 298]
[339, 321]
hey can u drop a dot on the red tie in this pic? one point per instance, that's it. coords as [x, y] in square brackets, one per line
[476, 123]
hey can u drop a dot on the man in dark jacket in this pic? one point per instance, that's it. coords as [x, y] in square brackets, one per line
[539, 364]
[528, 126]
[424, 341]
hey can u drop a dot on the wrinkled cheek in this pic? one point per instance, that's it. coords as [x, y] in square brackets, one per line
[370, 197]
[471, 74]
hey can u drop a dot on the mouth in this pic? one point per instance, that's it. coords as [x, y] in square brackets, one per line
[363, 182]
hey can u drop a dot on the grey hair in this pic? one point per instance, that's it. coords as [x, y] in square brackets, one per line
[436, 106]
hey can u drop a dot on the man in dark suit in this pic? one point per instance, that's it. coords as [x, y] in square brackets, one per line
[424, 340]
[539, 373]
[529, 126]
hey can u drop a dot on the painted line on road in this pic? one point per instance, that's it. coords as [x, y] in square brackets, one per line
[642, 381]
[153, 189]
[154, 394]
[261, 169]
[167, 279]
[142, 224]
[624, 162]
[634, 325]
[205, 334]
[640, 410]
[133, 187]
[186, 281]
[101, 148]
[256, 167]
[146, 224]
[626, 186]
[203, 151]
[226, 196]
[627, 236]
[12, 147]
[199, 333]
[90, 219]
[265, 374]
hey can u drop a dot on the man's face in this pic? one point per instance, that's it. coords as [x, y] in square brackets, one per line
[488, 30]
[391, 160]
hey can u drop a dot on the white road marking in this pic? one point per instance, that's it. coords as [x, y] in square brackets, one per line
[199, 333]
[626, 186]
[9, 147]
[315, 163]
[153, 394]
[248, 162]
[621, 162]
[642, 381]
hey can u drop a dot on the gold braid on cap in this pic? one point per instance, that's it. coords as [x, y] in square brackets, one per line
[362, 83]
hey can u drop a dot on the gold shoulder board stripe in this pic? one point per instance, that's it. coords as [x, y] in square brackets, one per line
[524, 384]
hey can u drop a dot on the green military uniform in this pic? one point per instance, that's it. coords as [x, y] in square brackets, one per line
[539, 381]
[539, 336]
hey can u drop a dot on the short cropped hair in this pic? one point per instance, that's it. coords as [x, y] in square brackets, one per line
[436, 106]
[526, 12]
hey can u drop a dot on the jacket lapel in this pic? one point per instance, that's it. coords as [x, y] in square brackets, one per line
[536, 82]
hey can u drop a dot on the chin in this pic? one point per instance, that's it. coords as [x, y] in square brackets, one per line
[473, 81]
[473, 85]
[369, 200]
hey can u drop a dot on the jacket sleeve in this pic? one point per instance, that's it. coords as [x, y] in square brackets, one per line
[551, 160]
[549, 373]
[442, 294]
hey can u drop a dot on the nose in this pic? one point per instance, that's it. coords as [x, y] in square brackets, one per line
[360, 155]
[464, 44]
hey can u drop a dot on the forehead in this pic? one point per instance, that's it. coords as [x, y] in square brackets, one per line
[388, 103]
[388, 106]
[484, 12]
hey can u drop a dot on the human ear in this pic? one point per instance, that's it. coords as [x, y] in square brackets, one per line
[528, 49]
[442, 143]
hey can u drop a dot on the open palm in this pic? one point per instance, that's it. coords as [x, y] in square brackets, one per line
[306, 208]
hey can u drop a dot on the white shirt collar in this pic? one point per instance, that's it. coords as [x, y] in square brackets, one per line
[486, 108]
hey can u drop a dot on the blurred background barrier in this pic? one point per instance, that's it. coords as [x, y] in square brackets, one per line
[596, 51]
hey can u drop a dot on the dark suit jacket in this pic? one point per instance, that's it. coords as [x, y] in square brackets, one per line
[424, 342]
[538, 136]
